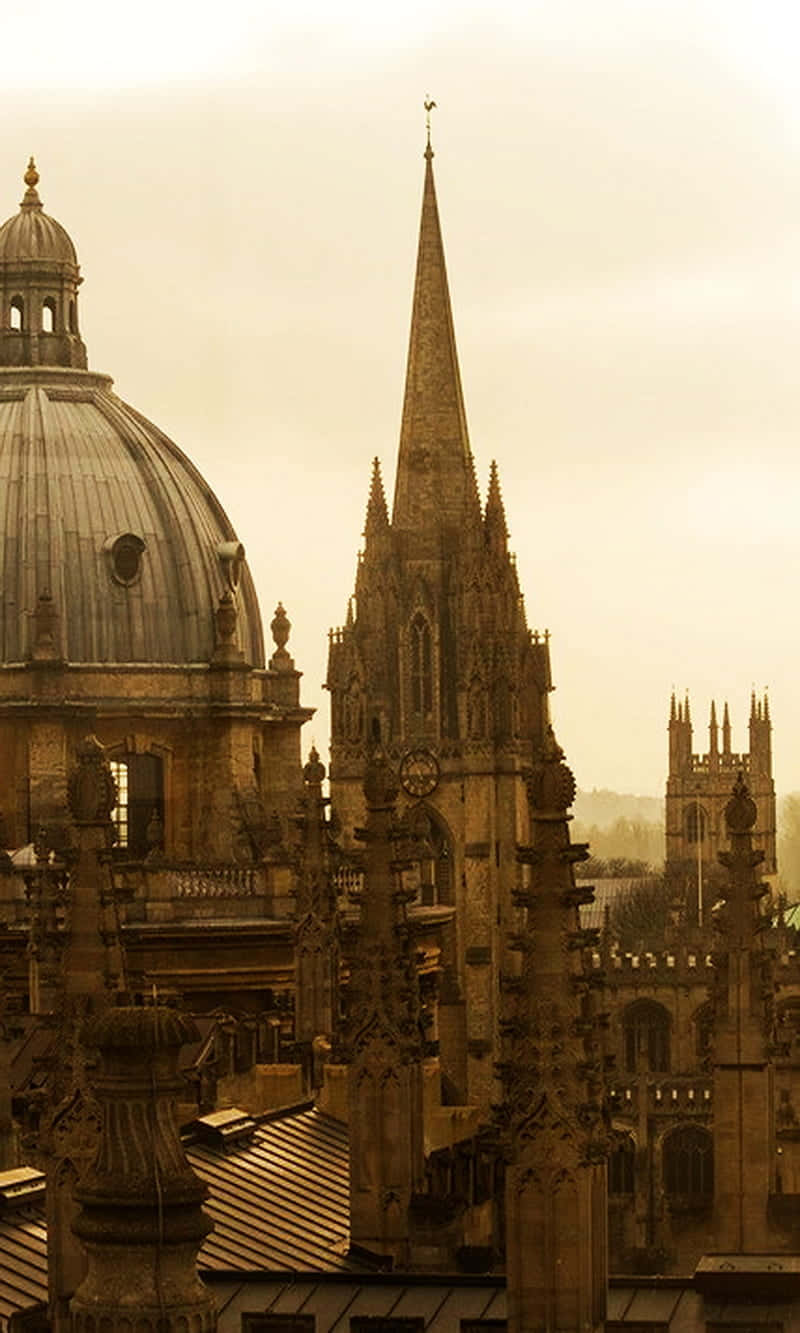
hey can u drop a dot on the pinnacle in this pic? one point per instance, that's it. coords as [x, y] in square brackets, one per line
[377, 512]
[495, 509]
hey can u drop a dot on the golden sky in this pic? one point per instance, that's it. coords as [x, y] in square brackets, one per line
[618, 188]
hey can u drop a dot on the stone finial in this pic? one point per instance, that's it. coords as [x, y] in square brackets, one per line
[281, 628]
[380, 782]
[139, 1198]
[314, 771]
[31, 179]
[91, 788]
[741, 811]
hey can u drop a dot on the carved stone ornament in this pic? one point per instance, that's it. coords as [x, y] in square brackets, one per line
[741, 811]
[92, 790]
[280, 627]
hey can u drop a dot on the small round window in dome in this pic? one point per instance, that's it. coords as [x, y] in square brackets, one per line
[126, 558]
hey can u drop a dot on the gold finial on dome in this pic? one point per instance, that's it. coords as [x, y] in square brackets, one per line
[31, 179]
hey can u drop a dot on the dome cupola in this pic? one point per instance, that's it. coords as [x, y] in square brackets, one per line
[39, 280]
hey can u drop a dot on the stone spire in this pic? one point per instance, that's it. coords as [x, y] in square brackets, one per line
[140, 1221]
[435, 486]
[383, 1040]
[743, 1000]
[552, 1117]
[713, 733]
[726, 729]
[316, 930]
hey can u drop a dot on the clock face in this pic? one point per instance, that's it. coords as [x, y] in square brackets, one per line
[419, 772]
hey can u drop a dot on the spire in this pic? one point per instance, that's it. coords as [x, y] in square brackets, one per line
[496, 529]
[377, 513]
[726, 730]
[753, 707]
[713, 741]
[686, 715]
[435, 486]
[673, 715]
[765, 713]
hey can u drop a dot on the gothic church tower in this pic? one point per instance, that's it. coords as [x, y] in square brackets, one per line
[436, 662]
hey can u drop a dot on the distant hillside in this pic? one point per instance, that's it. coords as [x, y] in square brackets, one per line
[619, 827]
[602, 808]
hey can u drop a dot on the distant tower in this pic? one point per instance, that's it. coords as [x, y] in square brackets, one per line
[436, 660]
[699, 785]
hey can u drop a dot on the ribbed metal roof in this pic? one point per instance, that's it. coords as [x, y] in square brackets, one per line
[78, 469]
[281, 1200]
[32, 235]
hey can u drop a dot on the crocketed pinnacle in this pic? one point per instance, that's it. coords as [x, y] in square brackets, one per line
[496, 528]
[377, 513]
[435, 487]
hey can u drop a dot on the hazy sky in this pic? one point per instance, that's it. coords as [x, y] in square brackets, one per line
[618, 187]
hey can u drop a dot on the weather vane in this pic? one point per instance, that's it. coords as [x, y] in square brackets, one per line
[429, 104]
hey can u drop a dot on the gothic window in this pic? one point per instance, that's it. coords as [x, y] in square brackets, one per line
[646, 1037]
[696, 821]
[689, 1163]
[503, 710]
[17, 313]
[48, 315]
[421, 667]
[353, 710]
[476, 709]
[703, 1031]
[621, 1164]
[138, 817]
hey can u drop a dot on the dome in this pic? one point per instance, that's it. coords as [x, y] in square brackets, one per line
[104, 518]
[31, 236]
[112, 547]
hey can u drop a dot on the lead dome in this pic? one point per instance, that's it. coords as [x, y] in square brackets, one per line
[103, 520]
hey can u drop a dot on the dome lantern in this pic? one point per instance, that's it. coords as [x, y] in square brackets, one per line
[39, 280]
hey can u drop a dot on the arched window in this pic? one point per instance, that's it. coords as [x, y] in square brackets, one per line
[73, 327]
[138, 817]
[48, 315]
[696, 823]
[17, 313]
[621, 1163]
[689, 1163]
[432, 870]
[645, 1028]
[421, 667]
